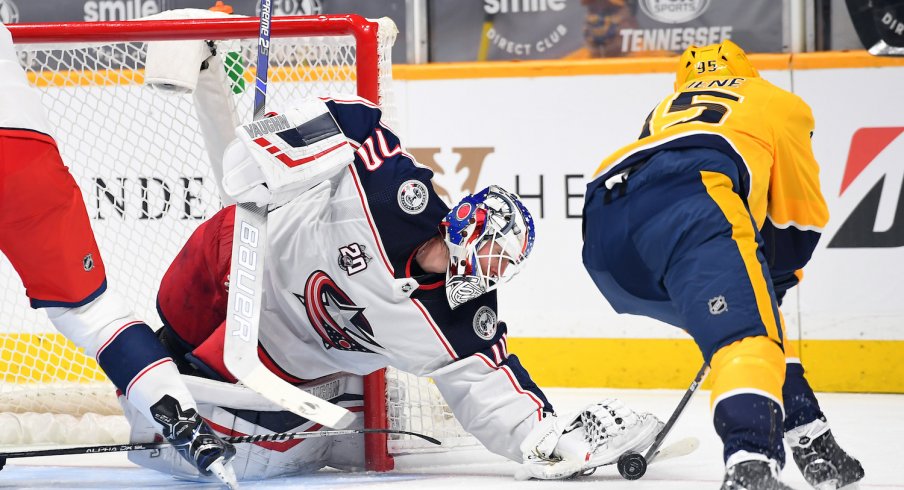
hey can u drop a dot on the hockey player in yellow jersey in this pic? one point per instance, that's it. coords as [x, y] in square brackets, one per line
[705, 222]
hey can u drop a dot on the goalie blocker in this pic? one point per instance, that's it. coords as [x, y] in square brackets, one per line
[274, 159]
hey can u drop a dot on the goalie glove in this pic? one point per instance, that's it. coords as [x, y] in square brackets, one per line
[562, 447]
[275, 159]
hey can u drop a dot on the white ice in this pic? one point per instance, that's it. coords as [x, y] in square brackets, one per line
[871, 427]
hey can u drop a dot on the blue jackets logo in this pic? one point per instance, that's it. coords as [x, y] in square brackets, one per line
[338, 321]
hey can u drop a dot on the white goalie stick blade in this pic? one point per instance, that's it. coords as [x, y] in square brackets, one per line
[677, 449]
[246, 280]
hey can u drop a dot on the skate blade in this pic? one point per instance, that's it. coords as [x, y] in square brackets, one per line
[225, 474]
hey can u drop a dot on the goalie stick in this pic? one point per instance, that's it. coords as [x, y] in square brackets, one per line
[284, 436]
[246, 276]
[677, 449]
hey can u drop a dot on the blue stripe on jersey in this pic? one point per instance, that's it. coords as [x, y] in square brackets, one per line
[382, 178]
[134, 349]
[524, 379]
[40, 303]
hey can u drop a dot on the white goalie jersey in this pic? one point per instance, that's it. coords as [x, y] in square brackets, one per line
[343, 292]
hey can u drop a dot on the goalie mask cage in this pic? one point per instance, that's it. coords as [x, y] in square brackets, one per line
[138, 156]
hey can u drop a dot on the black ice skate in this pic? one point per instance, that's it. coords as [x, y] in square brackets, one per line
[752, 475]
[822, 462]
[194, 439]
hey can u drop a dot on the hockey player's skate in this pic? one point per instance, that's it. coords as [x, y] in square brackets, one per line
[195, 440]
[822, 462]
[753, 475]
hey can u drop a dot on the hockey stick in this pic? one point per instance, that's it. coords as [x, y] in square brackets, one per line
[246, 276]
[878, 25]
[698, 380]
[285, 436]
[632, 465]
[677, 449]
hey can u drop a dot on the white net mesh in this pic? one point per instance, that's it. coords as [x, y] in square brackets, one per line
[415, 404]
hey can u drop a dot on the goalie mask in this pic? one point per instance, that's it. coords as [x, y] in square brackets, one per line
[489, 234]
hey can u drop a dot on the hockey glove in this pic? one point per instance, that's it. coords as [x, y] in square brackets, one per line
[562, 447]
[275, 159]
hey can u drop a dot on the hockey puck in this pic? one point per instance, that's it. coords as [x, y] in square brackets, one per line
[631, 465]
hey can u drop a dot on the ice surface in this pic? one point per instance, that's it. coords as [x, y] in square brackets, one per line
[868, 426]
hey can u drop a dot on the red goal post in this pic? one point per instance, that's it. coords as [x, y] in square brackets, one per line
[364, 31]
[147, 189]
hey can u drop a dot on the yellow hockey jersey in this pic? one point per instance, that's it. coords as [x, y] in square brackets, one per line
[766, 130]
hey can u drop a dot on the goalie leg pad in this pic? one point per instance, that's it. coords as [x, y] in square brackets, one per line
[233, 410]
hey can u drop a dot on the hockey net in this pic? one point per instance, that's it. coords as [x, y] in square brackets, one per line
[138, 156]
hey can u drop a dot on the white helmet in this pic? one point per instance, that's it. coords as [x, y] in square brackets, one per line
[489, 234]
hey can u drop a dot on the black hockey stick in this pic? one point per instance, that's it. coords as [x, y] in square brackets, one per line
[285, 436]
[879, 25]
[632, 465]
